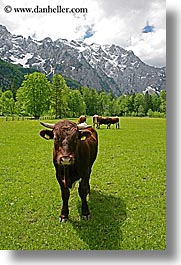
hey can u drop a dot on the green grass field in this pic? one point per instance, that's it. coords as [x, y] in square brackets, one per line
[128, 190]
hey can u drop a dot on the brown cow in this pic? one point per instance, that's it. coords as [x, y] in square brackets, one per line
[75, 150]
[105, 120]
[113, 120]
[82, 119]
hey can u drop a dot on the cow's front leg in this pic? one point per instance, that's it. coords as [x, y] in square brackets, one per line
[84, 189]
[65, 197]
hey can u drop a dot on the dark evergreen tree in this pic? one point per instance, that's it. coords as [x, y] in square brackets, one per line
[59, 96]
[147, 102]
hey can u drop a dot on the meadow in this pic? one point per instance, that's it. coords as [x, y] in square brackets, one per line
[128, 190]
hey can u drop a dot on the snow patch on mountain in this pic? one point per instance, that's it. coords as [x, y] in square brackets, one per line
[23, 61]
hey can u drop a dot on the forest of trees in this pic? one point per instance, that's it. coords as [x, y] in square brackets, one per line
[37, 96]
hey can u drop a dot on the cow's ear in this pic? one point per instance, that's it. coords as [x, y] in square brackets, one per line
[84, 134]
[46, 134]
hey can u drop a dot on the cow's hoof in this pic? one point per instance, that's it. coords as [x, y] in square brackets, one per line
[86, 217]
[63, 219]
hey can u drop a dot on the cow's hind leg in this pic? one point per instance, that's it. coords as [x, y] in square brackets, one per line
[65, 197]
[84, 190]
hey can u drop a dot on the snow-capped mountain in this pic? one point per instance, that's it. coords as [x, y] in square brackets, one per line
[104, 67]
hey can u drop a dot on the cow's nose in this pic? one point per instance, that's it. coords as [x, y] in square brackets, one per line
[65, 160]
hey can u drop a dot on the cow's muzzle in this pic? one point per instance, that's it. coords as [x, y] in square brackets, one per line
[66, 160]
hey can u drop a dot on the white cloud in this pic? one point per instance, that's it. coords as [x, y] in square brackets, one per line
[150, 46]
[123, 22]
[117, 21]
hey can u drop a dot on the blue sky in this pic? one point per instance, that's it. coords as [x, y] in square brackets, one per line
[89, 32]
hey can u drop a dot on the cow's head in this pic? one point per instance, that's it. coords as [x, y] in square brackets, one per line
[67, 136]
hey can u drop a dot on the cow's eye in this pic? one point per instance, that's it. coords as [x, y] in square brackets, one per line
[83, 138]
[57, 140]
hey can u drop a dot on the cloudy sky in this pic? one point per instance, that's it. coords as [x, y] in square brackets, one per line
[118, 22]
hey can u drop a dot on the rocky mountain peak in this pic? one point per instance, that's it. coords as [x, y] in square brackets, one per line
[104, 67]
[3, 30]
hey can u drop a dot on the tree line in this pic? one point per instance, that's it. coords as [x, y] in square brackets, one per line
[37, 96]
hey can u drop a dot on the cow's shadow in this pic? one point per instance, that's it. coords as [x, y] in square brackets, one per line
[103, 230]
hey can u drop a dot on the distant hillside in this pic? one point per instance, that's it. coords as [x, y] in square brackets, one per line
[11, 76]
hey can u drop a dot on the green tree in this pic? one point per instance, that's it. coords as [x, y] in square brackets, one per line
[131, 102]
[7, 103]
[156, 101]
[163, 101]
[91, 99]
[138, 100]
[109, 108]
[76, 103]
[20, 104]
[150, 113]
[1, 106]
[102, 99]
[34, 94]
[59, 97]
[116, 107]
[124, 105]
[141, 111]
[148, 102]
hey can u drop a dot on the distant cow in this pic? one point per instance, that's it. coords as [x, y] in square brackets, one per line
[113, 120]
[82, 119]
[75, 150]
[98, 120]
[95, 120]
